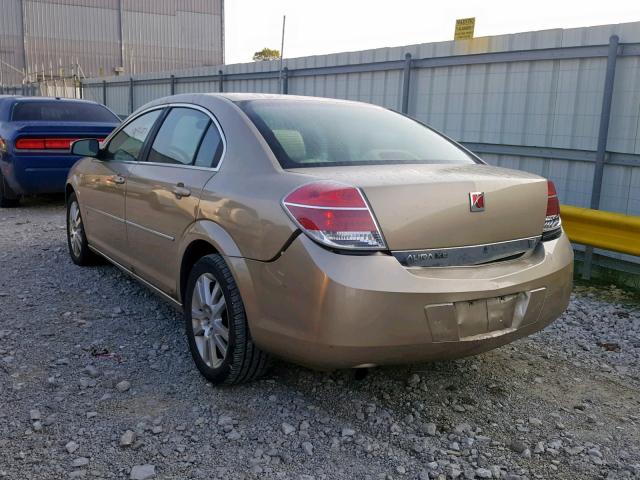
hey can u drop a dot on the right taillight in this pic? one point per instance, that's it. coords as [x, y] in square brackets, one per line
[552, 220]
[334, 215]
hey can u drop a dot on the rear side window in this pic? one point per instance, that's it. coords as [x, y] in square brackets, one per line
[179, 137]
[61, 111]
[210, 149]
[318, 134]
[127, 143]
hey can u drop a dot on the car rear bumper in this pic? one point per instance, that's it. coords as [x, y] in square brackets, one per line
[36, 174]
[326, 310]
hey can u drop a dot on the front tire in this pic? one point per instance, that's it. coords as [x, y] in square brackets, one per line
[8, 198]
[76, 237]
[216, 325]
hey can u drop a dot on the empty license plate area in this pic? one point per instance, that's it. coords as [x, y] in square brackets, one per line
[484, 318]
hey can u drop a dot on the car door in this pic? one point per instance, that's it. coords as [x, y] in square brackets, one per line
[163, 192]
[104, 185]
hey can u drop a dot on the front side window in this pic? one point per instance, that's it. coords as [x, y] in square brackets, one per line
[127, 144]
[179, 137]
[317, 133]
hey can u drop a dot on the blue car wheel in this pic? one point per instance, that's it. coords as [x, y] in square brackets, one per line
[8, 198]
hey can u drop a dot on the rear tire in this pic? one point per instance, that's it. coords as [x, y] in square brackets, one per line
[76, 237]
[8, 198]
[216, 326]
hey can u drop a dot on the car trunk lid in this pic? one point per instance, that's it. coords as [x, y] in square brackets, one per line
[428, 206]
[31, 138]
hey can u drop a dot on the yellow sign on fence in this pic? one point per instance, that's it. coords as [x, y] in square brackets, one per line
[464, 28]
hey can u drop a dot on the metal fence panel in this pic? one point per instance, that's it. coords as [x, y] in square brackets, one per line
[118, 99]
[92, 92]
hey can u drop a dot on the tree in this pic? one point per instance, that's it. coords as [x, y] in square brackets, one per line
[266, 54]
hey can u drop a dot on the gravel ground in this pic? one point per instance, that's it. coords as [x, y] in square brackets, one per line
[96, 381]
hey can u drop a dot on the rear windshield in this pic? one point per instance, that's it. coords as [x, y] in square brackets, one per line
[322, 134]
[61, 111]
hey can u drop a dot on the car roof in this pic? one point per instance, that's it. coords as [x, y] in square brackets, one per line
[55, 99]
[242, 97]
[211, 100]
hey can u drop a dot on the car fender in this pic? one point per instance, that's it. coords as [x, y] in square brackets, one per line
[212, 233]
[73, 181]
[216, 236]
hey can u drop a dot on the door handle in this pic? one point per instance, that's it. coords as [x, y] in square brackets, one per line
[118, 179]
[181, 191]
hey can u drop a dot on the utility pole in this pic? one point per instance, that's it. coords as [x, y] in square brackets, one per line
[121, 35]
[284, 20]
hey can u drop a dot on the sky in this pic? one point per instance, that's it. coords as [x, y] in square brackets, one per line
[316, 27]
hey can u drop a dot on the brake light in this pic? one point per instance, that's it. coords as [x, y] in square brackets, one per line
[46, 143]
[58, 143]
[552, 220]
[30, 144]
[335, 215]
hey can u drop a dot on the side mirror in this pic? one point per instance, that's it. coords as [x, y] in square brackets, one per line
[87, 147]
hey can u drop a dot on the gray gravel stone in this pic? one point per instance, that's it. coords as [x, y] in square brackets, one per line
[80, 462]
[123, 386]
[127, 438]
[430, 429]
[414, 380]
[71, 446]
[142, 472]
[483, 473]
[92, 371]
[287, 428]
[307, 447]
[518, 446]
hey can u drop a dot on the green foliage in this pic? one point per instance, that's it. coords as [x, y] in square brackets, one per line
[266, 54]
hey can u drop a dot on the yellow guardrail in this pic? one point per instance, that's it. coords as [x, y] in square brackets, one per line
[606, 230]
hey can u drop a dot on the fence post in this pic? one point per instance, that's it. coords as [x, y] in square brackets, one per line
[104, 93]
[603, 133]
[285, 81]
[130, 94]
[406, 78]
[173, 84]
[220, 81]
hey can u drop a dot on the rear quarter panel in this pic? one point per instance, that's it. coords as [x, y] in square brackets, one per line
[244, 197]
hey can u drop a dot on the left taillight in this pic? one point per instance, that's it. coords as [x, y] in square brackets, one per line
[45, 143]
[552, 220]
[335, 215]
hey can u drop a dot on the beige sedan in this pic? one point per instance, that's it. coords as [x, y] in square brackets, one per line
[330, 233]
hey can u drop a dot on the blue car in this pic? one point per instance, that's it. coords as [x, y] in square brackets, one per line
[36, 134]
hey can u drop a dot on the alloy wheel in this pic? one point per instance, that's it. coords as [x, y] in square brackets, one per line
[75, 228]
[209, 320]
